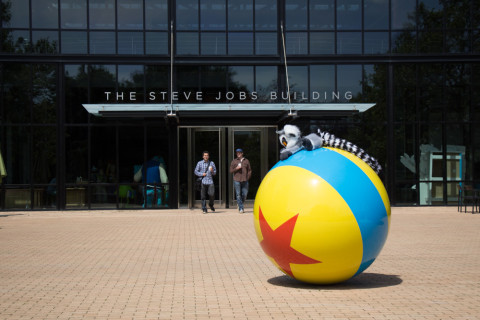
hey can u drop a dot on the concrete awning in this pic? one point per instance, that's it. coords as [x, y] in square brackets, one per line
[224, 109]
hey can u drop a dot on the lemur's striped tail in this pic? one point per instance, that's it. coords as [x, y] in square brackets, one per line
[331, 141]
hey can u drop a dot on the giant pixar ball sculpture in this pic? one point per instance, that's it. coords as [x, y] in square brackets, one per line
[322, 216]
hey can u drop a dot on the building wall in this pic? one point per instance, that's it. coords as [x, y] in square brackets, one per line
[417, 60]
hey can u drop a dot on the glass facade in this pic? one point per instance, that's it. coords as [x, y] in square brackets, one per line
[417, 60]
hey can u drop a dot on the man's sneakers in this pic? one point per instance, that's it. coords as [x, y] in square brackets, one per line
[205, 209]
[213, 210]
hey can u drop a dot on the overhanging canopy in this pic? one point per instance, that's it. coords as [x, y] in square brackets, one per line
[224, 109]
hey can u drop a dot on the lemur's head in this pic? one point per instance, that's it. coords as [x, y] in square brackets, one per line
[289, 135]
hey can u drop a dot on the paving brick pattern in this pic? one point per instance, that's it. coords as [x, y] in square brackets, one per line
[181, 264]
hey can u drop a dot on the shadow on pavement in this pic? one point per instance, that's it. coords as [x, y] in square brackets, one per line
[9, 215]
[362, 281]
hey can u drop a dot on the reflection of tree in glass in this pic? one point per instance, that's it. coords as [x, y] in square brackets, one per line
[16, 92]
[135, 80]
[369, 133]
[133, 83]
[264, 92]
[80, 79]
[21, 45]
[455, 15]
[102, 79]
[44, 150]
[5, 17]
[44, 111]
[100, 74]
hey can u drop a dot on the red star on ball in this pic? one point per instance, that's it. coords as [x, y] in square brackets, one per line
[276, 244]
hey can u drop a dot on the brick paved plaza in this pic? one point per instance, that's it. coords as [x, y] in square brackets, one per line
[181, 264]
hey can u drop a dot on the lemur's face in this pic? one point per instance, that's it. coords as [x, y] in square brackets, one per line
[289, 136]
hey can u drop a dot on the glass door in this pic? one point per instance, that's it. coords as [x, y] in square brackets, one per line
[193, 141]
[259, 147]
[211, 140]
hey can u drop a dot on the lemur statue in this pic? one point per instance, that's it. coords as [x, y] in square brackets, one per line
[293, 141]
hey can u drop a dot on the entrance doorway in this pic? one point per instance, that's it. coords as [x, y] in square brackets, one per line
[260, 148]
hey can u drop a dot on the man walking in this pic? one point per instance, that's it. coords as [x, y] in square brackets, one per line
[206, 169]
[242, 172]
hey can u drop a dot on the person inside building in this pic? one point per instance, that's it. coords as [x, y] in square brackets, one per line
[205, 169]
[154, 174]
[242, 172]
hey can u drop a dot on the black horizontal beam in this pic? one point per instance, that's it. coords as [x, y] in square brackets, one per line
[241, 60]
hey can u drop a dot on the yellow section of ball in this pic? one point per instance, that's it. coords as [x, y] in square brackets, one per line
[326, 229]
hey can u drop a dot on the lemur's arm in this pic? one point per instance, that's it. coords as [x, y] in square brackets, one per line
[285, 153]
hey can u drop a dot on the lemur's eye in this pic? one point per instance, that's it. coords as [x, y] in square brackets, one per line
[291, 135]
